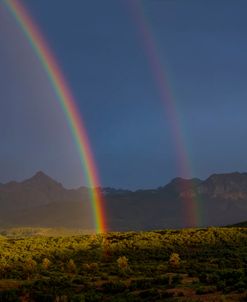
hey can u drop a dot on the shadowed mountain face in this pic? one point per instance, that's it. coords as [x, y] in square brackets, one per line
[41, 201]
[227, 186]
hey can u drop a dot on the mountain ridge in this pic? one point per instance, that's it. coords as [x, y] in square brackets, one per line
[42, 201]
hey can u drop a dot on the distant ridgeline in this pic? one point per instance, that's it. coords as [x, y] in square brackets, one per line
[42, 202]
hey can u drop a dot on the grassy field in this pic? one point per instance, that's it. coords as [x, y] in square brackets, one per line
[169, 265]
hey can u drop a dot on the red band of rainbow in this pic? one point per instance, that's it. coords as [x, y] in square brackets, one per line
[190, 200]
[68, 104]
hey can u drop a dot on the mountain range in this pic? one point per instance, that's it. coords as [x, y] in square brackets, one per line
[40, 201]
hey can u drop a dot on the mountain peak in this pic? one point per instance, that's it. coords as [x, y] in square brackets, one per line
[40, 178]
[225, 186]
[223, 176]
[40, 174]
[179, 181]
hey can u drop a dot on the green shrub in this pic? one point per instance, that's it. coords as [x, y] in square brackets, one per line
[104, 276]
[46, 263]
[113, 287]
[174, 260]
[122, 263]
[92, 296]
[91, 267]
[221, 285]
[163, 280]
[78, 298]
[203, 278]
[205, 290]
[213, 278]
[78, 280]
[240, 286]
[42, 297]
[176, 279]
[71, 267]
[143, 283]
[167, 294]
[9, 296]
[244, 298]
[152, 294]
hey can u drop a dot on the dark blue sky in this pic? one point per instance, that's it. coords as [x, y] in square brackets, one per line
[202, 47]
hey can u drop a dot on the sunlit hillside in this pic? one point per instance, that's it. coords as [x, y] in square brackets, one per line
[167, 265]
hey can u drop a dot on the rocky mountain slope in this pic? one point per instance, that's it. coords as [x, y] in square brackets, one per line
[40, 201]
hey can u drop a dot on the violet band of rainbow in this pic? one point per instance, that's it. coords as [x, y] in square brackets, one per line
[68, 104]
[191, 203]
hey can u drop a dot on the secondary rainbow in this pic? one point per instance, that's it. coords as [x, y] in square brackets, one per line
[191, 202]
[68, 104]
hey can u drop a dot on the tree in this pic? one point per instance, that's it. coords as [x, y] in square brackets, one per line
[174, 260]
[71, 266]
[122, 263]
[30, 267]
[46, 263]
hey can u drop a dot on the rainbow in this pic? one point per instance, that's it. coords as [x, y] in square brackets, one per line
[68, 104]
[190, 200]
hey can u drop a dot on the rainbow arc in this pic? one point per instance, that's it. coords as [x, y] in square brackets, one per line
[67, 102]
[144, 30]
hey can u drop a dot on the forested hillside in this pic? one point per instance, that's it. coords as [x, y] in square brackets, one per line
[169, 265]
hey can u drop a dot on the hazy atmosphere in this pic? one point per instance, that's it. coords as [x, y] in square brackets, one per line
[200, 46]
[123, 171]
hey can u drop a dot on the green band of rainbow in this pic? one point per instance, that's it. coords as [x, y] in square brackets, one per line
[67, 102]
[191, 202]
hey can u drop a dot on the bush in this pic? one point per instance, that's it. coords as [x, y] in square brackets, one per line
[205, 290]
[203, 278]
[9, 296]
[79, 280]
[143, 283]
[161, 268]
[162, 280]
[221, 285]
[78, 298]
[213, 278]
[240, 286]
[176, 280]
[244, 298]
[104, 277]
[71, 267]
[174, 260]
[152, 294]
[46, 263]
[42, 297]
[92, 297]
[30, 267]
[114, 287]
[167, 294]
[91, 267]
[122, 263]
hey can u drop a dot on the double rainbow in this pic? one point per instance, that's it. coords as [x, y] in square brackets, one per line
[190, 199]
[74, 119]
[68, 104]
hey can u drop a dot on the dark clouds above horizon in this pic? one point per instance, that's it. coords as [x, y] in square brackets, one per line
[202, 46]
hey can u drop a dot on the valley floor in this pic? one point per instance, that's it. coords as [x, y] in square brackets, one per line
[168, 265]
